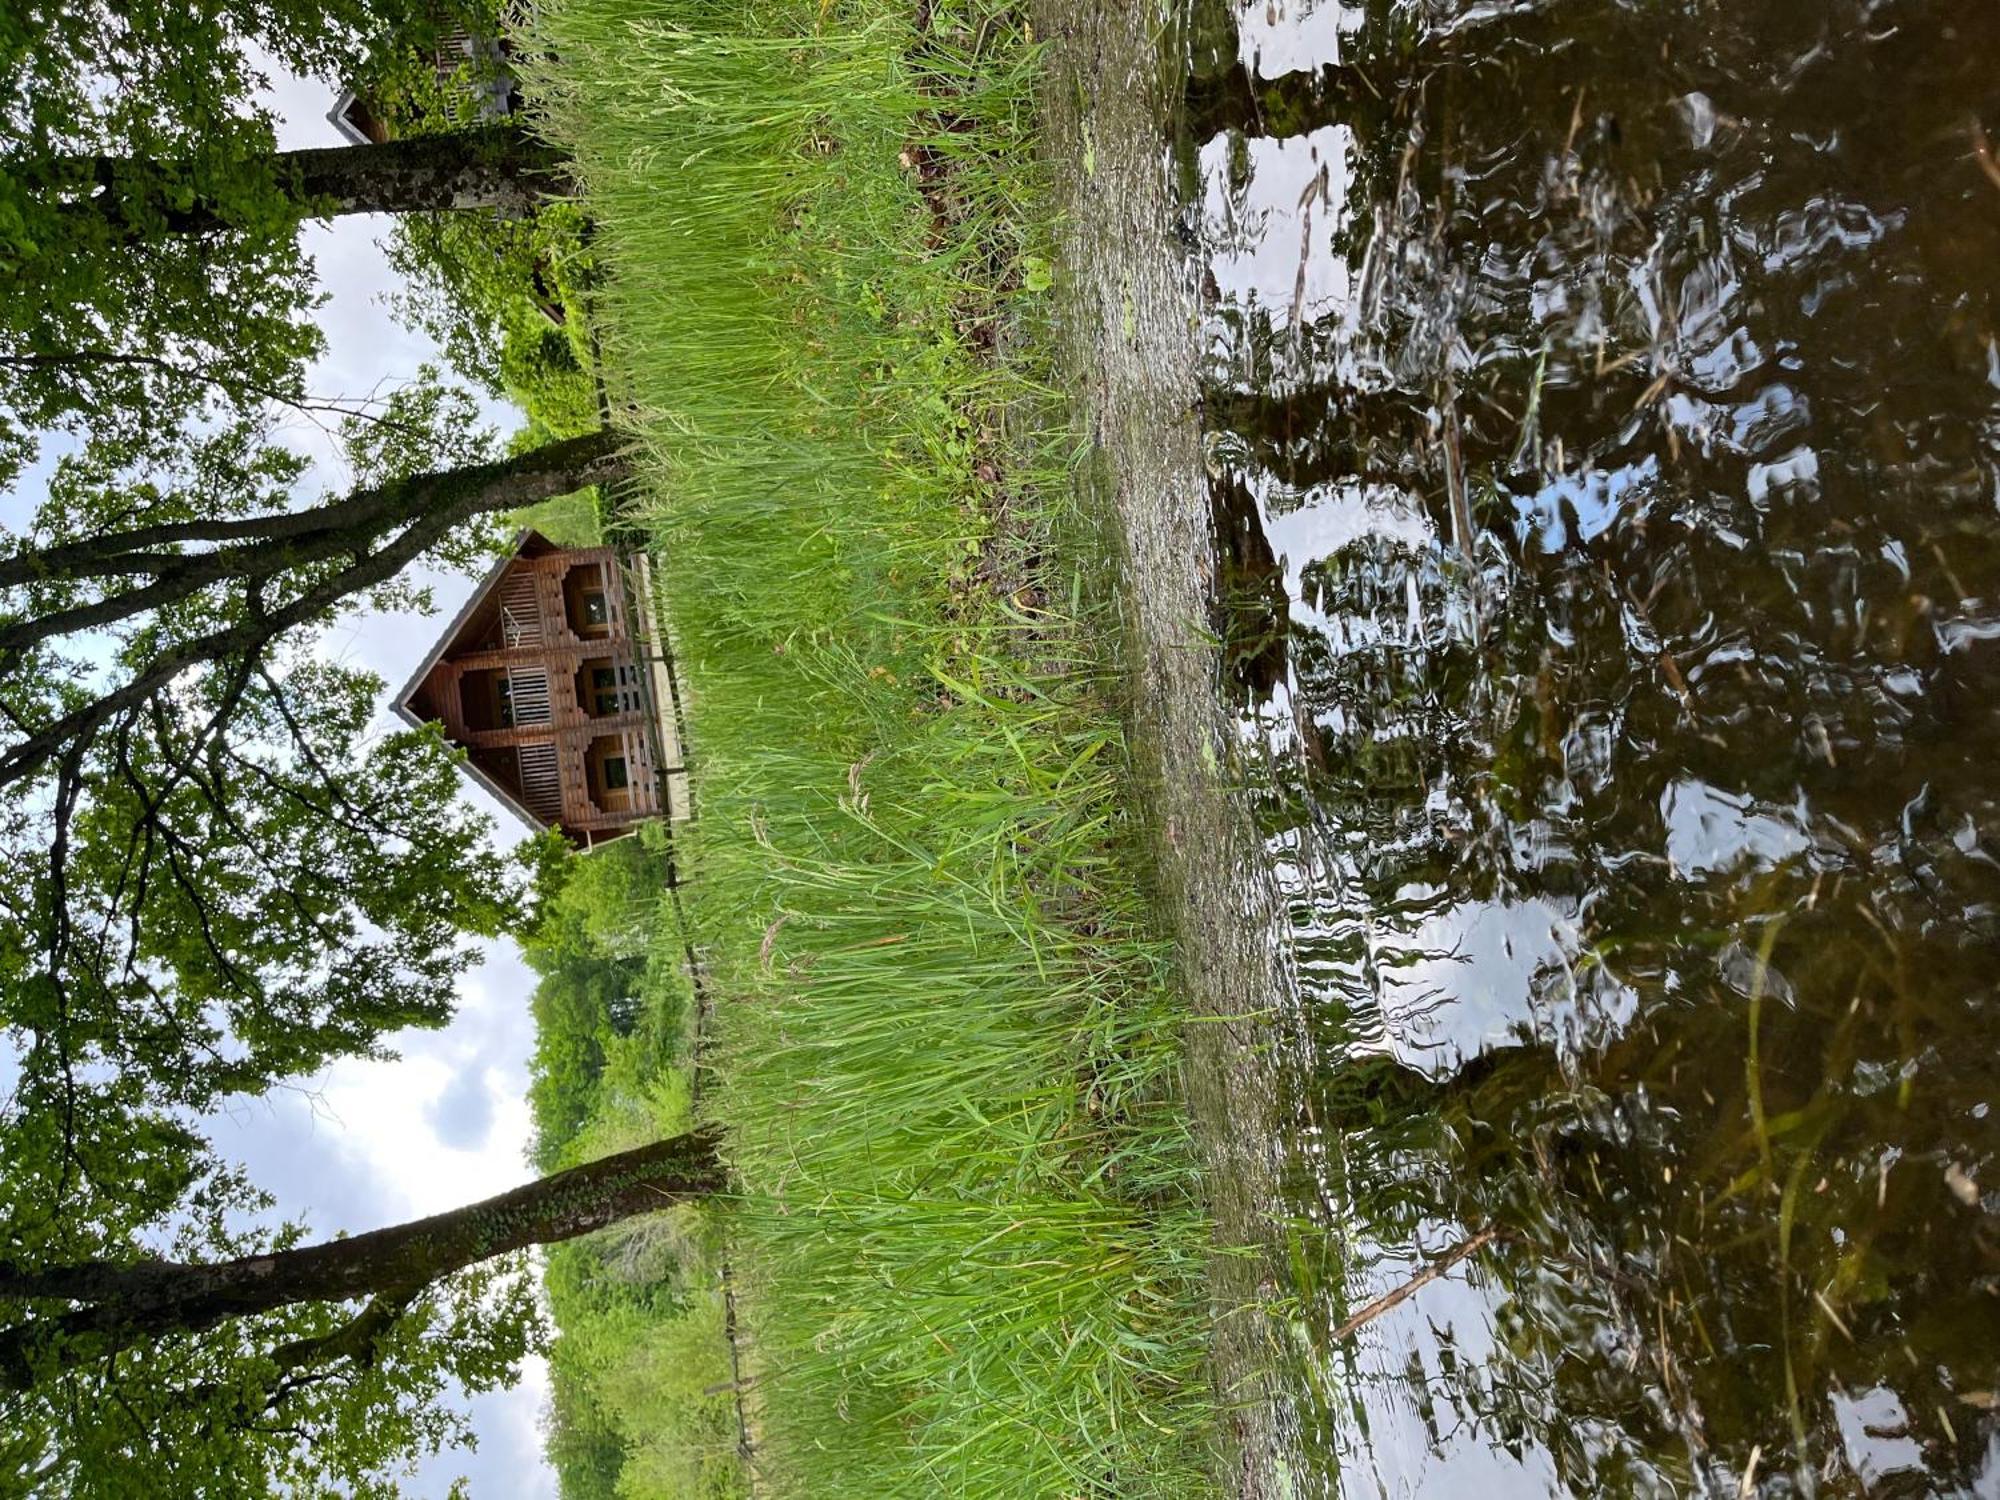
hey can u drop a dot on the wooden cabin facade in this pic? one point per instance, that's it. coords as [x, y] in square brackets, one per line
[548, 681]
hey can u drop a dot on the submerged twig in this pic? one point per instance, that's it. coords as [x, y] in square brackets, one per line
[1415, 1284]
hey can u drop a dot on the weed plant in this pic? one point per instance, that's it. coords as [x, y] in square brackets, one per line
[969, 1232]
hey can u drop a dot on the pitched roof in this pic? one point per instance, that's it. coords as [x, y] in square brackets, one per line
[400, 704]
[459, 621]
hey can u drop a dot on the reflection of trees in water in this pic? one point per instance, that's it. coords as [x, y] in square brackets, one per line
[1728, 715]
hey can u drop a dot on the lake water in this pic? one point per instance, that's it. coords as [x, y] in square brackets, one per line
[1600, 425]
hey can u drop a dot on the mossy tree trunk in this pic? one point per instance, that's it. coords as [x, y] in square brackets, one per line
[498, 167]
[114, 1306]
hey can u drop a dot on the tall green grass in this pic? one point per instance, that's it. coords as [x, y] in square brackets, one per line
[970, 1234]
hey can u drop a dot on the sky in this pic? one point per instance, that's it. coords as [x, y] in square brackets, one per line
[374, 1143]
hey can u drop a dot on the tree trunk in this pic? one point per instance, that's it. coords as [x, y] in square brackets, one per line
[497, 167]
[430, 504]
[126, 1303]
[558, 468]
[295, 539]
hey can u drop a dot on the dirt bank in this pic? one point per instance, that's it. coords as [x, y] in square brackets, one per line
[1131, 315]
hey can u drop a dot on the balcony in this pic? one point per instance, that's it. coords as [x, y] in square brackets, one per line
[494, 698]
[605, 688]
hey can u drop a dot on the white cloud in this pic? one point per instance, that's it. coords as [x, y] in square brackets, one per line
[378, 1120]
[360, 1147]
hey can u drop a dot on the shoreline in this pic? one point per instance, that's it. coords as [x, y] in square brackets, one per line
[1128, 337]
[969, 1244]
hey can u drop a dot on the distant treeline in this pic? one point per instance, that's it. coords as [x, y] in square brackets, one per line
[638, 1310]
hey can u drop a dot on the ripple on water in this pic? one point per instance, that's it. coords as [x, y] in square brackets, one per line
[1604, 460]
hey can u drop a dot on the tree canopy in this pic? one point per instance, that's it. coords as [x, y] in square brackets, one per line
[221, 877]
[506, 300]
[243, 1368]
[227, 916]
[107, 325]
[221, 872]
[218, 880]
[150, 267]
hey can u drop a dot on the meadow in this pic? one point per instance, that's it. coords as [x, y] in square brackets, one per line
[968, 1238]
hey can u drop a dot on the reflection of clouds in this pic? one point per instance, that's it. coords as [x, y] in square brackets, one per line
[1968, 631]
[1419, 1360]
[1269, 219]
[1294, 36]
[1710, 829]
[1316, 524]
[1466, 977]
[1797, 473]
[1313, 526]
[1733, 376]
[1799, 236]
[1875, 1432]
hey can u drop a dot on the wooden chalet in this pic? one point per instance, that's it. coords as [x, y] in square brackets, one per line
[550, 682]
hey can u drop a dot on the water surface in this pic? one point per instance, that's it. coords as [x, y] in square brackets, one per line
[1601, 425]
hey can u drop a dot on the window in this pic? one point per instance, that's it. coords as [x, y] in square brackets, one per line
[596, 608]
[614, 773]
[604, 690]
[503, 700]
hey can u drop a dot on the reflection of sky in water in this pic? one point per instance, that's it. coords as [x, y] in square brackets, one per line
[1709, 829]
[1271, 232]
[1410, 1444]
[1294, 36]
[1317, 524]
[1440, 981]
[1590, 501]
[1875, 1430]
[1323, 521]
[1532, 871]
[1463, 977]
